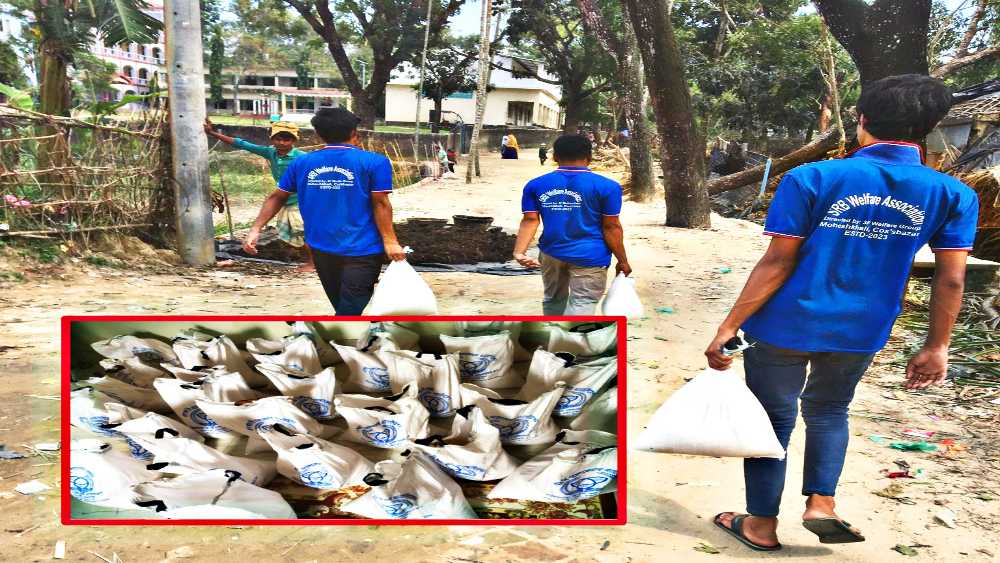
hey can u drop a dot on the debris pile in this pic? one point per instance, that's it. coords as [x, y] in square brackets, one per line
[468, 240]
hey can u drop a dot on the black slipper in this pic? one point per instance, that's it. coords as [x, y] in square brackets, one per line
[833, 530]
[736, 530]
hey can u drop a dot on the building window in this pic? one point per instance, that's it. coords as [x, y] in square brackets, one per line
[250, 80]
[141, 49]
[143, 74]
[157, 54]
[267, 81]
[127, 71]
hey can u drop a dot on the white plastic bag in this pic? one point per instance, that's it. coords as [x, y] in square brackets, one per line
[294, 354]
[313, 394]
[485, 328]
[181, 397]
[583, 381]
[471, 451]
[363, 372]
[714, 414]
[582, 343]
[125, 347]
[173, 453]
[142, 398]
[95, 412]
[416, 488]
[253, 418]
[524, 422]
[388, 336]
[211, 494]
[485, 360]
[435, 375]
[327, 355]
[315, 462]
[401, 291]
[579, 466]
[102, 476]
[622, 299]
[601, 413]
[195, 350]
[132, 371]
[383, 423]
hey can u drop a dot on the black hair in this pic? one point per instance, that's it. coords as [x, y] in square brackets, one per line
[571, 147]
[335, 125]
[905, 107]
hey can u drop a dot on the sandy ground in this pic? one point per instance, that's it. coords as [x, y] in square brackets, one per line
[671, 498]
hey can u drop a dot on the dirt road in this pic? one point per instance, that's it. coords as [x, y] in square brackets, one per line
[671, 498]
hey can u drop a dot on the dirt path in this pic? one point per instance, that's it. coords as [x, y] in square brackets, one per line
[671, 498]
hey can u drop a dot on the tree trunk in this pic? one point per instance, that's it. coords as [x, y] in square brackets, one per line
[886, 38]
[571, 113]
[365, 111]
[54, 93]
[236, 95]
[640, 154]
[436, 122]
[684, 163]
[485, 58]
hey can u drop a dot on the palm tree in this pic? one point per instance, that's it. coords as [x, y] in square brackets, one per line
[485, 59]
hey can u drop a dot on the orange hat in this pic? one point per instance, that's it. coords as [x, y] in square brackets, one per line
[283, 127]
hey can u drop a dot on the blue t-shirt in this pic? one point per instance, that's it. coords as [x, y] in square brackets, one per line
[334, 187]
[572, 201]
[862, 219]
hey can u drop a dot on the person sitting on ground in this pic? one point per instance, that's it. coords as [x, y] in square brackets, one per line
[579, 211]
[452, 159]
[543, 153]
[279, 155]
[343, 193]
[510, 146]
[829, 287]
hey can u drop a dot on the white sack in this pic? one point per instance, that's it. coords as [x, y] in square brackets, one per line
[622, 299]
[579, 466]
[216, 493]
[435, 375]
[388, 336]
[583, 380]
[294, 354]
[125, 347]
[217, 351]
[315, 462]
[327, 355]
[132, 371]
[601, 413]
[363, 372]
[383, 423]
[102, 476]
[416, 488]
[181, 397]
[584, 345]
[139, 397]
[471, 451]
[714, 414]
[401, 291]
[524, 422]
[485, 328]
[95, 412]
[312, 394]
[253, 418]
[485, 360]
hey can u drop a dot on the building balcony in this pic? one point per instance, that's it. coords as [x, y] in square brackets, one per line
[127, 55]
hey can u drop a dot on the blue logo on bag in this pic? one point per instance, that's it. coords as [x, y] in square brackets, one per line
[267, 423]
[316, 475]
[376, 378]
[439, 404]
[514, 429]
[572, 401]
[585, 484]
[399, 506]
[137, 451]
[81, 484]
[383, 434]
[201, 422]
[456, 470]
[476, 367]
[94, 423]
[316, 408]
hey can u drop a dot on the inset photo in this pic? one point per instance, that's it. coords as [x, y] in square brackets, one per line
[173, 420]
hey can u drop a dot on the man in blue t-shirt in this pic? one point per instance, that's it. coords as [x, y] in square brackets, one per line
[580, 212]
[343, 194]
[828, 290]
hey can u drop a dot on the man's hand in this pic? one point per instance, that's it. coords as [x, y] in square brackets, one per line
[928, 367]
[623, 268]
[209, 128]
[250, 243]
[527, 261]
[394, 251]
[716, 359]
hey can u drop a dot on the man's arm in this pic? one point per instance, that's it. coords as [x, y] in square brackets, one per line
[274, 202]
[767, 277]
[614, 237]
[211, 132]
[930, 365]
[382, 209]
[525, 234]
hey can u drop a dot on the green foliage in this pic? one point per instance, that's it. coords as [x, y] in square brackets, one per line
[11, 276]
[216, 62]
[450, 70]
[17, 98]
[11, 72]
[46, 252]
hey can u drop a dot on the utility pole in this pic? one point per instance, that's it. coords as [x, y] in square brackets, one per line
[189, 147]
[420, 87]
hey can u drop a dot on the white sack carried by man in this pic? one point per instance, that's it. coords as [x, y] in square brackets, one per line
[585, 342]
[315, 462]
[414, 489]
[580, 465]
[211, 494]
[521, 422]
[485, 360]
[622, 300]
[583, 381]
[401, 291]
[383, 423]
[253, 418]
[714, 414]
[472, 450]
[294, 354]
[101, 476]
[313, 394]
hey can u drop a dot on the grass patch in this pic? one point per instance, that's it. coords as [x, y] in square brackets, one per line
[101, 261]
[222, 229]
[42, 251]
[11, 276]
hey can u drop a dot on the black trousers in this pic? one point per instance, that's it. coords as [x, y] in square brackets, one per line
[348, 281]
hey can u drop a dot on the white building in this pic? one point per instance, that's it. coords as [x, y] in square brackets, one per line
[12, 28]
[137, 67]
[265, 92]
[517, 98]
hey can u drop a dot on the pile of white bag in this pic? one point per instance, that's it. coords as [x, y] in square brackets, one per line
[198, 428]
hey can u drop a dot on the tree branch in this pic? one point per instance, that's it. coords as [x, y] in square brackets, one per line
[956, 64]
[805, 153]
[595, 22]
[972, 30]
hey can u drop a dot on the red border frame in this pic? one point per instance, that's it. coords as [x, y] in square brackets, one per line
[65, 426]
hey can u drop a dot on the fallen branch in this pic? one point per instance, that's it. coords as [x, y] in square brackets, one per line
[805, 153]
[71, 122]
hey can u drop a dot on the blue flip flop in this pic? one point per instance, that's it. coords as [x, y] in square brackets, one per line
[736, 530]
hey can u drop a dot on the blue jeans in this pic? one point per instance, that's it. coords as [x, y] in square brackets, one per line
[348, 281]
[777, 377]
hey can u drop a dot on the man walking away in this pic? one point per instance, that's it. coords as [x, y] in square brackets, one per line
[579, 210]
[343, 195]
[543, 153]
[828, 290]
